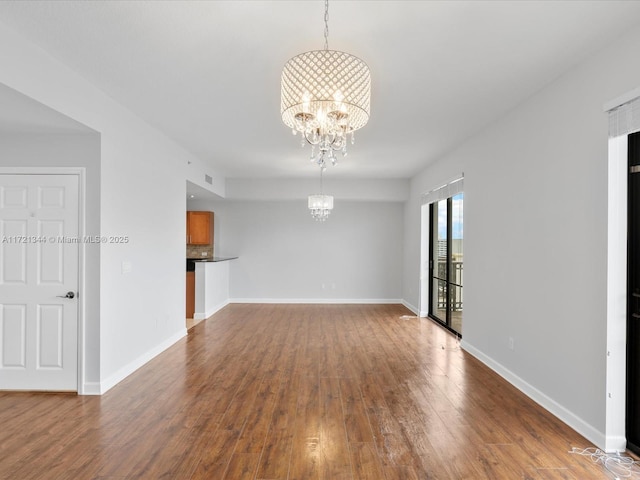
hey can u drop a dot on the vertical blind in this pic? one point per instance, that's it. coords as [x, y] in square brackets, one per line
[624, 119]
[447, 190]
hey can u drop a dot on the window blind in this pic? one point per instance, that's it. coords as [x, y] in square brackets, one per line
[624, 119]
[447, 190]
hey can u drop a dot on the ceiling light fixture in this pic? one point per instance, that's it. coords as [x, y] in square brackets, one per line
[320, 204]
[325, 96]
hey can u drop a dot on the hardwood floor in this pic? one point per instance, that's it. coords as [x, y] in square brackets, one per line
[190, 323]
[305, 392]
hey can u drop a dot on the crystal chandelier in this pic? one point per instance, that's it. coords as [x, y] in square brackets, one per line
[325, 96]
[320, 205]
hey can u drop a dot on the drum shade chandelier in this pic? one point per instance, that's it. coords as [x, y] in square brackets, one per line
[320, 205]
[325, 96]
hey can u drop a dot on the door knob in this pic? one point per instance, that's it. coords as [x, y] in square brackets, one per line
[68, 295]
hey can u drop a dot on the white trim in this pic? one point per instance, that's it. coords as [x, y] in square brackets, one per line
[372, 301]
[128, 369]
[80, 172]
[425, 245]
[568, 417]
[42, 170]
[82, 287]
[616, 359]
[91, 388]
[410, 307]
[211, 311]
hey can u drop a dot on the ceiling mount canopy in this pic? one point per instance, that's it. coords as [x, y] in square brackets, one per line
[325, 96]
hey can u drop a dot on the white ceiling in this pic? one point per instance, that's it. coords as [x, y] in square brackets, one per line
[207, 73]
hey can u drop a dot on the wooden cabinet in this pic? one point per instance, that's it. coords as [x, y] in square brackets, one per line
[191, 294]
[199, 228]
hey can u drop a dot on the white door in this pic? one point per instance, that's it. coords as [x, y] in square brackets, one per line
[38, 278]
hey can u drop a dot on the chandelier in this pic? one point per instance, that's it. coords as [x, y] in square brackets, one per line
[325, 96]
[320, 205]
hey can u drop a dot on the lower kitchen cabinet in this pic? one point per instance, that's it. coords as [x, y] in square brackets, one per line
[191, 294]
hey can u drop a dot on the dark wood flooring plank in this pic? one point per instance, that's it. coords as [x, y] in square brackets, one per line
[335, 463]
[366, 462]
[276, 454]
[242, 466]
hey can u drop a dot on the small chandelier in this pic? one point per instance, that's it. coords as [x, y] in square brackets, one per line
[320, 204]
[325, 96]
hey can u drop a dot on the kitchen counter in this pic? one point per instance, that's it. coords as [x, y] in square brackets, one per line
[212, 259]
[211, 284]
[191, 262]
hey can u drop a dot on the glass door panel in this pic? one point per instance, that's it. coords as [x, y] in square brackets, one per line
[439, 265]
[446, 262]
[457, 261]
[439, 309]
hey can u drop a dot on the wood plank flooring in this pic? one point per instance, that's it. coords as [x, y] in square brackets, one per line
[296, 392]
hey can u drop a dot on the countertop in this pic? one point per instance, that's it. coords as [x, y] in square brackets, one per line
[192, 261]
[212, 259]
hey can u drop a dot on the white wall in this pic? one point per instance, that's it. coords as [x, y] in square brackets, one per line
[536, 238]
[212, 288]
[70, 150]
[385, 190]
[284, 255]
[143, 192]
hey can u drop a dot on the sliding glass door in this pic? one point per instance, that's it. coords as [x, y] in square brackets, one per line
[446, 262]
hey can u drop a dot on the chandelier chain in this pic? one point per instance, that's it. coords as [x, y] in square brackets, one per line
[326, 24]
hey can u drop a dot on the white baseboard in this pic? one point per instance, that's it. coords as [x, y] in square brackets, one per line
[128, 369]
[211, 311]
[578, 424]
[371, 301]
[615, 444]
[410, 307]
[90, 388]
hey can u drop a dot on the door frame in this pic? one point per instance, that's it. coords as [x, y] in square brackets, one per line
[434, 226]
[632, 213]
[433, 220]
[616, 363]
[80, 172]
[425, 245]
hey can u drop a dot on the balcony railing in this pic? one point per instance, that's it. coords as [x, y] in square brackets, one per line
[456, 283]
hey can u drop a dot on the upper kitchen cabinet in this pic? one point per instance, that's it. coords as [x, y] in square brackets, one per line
[199, 228]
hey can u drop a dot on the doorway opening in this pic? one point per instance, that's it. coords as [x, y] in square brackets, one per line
[446, 262]
[442, 255]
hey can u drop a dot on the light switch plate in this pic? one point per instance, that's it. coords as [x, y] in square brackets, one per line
[127, 267]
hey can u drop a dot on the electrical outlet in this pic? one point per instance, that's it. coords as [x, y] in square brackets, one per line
[511, 344]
